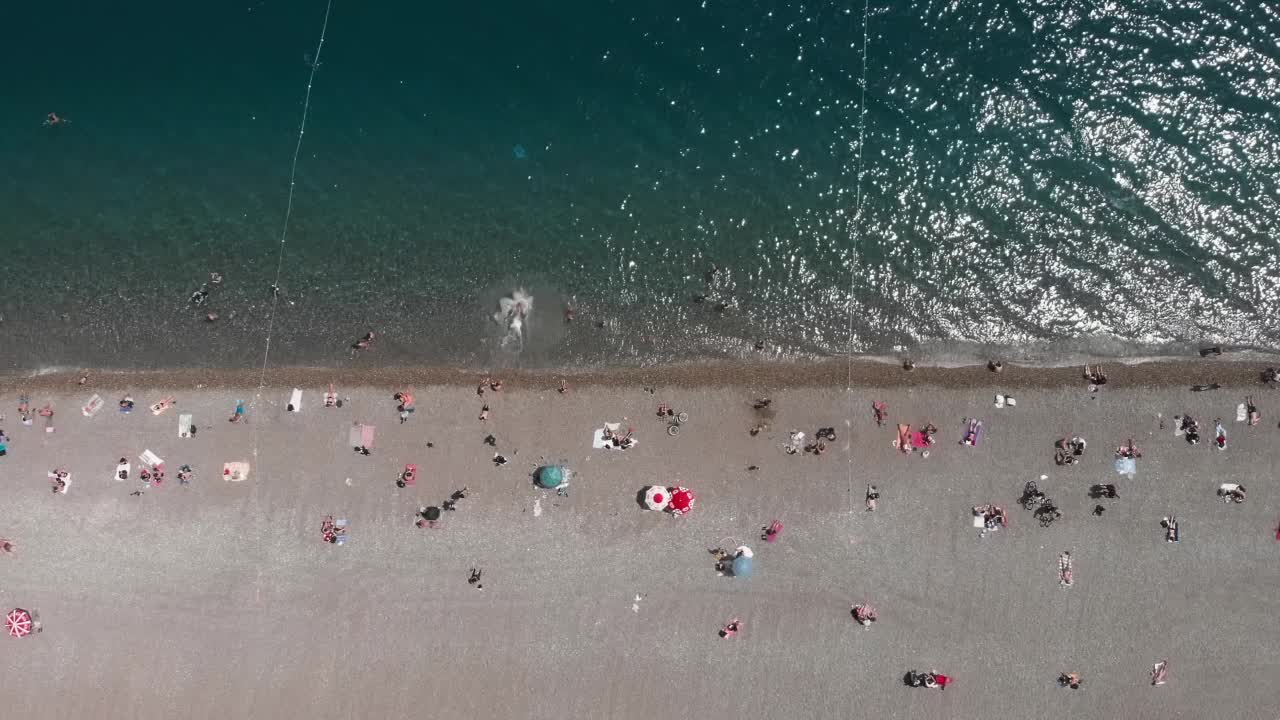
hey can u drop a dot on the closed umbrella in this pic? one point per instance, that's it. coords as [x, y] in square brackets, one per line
[657, 498]
[682, 500]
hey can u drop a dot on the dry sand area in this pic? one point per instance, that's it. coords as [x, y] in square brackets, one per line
[219, 600]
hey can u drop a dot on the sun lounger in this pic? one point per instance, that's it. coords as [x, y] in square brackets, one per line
[235, 471]
[92, 407]
[162, 405]
[295, 401]
[361, 435]
[184, 426]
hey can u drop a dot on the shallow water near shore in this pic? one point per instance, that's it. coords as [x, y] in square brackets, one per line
[1037, 181]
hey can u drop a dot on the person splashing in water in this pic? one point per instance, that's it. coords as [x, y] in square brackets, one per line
[512, 313]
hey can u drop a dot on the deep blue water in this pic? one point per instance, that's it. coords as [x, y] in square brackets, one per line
[1043, 178]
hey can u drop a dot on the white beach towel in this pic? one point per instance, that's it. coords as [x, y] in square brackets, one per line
[979, 521]
[1241, 413]
[235, 471]
[999, 401]
[598, 440]
[149, 458]
[92, 407]
[295, 401]
[1010, 401]
[125, 468]
[184, 426]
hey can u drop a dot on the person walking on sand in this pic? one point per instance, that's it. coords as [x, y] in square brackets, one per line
[873, 497]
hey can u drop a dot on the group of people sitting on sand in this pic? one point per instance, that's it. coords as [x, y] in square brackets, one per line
[922, 439]
[1129, 450]
[1231, 492]
[1068, 451]
[619, 441]
[1095, 376]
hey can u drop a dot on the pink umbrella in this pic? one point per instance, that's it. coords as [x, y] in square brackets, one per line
[657, 498]
[18, 623]
[682, 500]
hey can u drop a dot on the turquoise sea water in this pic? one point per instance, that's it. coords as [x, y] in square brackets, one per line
[1048, 178]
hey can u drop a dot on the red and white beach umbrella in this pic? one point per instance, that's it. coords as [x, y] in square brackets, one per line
[657, 498]
[682, 500]
[18, 623]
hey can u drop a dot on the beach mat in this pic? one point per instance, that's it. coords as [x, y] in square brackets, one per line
[184, 426]
[235, 471]
[295, 401]
[124, 467]
[361, 435]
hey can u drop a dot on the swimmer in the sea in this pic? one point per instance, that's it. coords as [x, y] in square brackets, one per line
[53, 119]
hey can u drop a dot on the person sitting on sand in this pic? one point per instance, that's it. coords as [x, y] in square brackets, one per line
[873, 498]
[881, 411]
[1071, 680]
[731, 628]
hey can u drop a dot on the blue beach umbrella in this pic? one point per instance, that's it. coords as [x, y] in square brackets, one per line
[743, 564]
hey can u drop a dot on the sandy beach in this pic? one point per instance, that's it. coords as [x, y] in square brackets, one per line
[219, 599]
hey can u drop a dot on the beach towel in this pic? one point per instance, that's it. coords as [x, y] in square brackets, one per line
[149, 458]
[361, 435]
[162, 405]
[979, 521]
[235, 471]
[295, 401]
[184, 426]
[598, 441]
[66, 482]
[124, 469]
[92, 407]
[1241, 412]
[919, 440]
[1126, 466]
